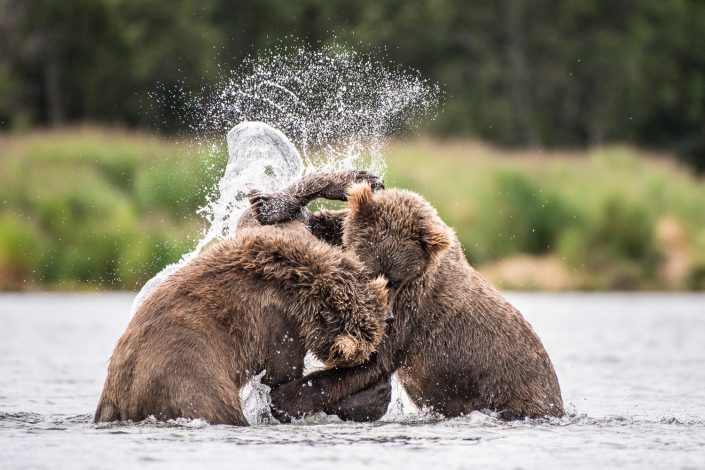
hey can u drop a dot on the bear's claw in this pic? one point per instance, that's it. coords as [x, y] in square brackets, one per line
[375, 181]
[272, 208]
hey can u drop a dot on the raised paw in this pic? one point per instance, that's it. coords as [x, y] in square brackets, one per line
[272, 208]
[339, 183]
[375, 181]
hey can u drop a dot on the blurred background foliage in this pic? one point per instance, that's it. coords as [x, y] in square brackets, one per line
[96, 207]
[108, 204]
[516, 72]
[92, 207]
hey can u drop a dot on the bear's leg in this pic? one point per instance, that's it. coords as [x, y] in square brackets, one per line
[427, 393]
[368, 405]
[323, 389]
[286, 362]
[450, 396]
[207, 393]
[333, 186]
[286, 205]
[107, 411]
[226, 411]
[217, 403]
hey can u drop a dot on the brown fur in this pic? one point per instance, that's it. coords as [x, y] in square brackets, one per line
[256, 301]
[457, 344]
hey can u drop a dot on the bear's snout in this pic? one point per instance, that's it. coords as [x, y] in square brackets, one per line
[392, 294]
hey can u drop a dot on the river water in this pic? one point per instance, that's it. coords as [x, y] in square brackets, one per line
[631, 367]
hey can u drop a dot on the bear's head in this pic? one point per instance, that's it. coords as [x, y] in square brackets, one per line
[394, 232]
[352, 321]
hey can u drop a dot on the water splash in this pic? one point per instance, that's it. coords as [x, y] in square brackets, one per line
[260, 157]
[256, 401]
[292, 111]
[337, 106]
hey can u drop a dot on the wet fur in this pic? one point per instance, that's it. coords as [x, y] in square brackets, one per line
[456, 343]
[256, 301]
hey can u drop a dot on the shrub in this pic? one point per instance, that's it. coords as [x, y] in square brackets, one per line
[175, 185]
[516, 215]
[90, 207]
[20, 250]
[617, 247]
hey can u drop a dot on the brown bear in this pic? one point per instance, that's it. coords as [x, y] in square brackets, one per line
[456, 343]
[256, 301]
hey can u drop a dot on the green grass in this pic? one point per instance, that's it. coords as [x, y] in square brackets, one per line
[600, 212]
[92, 208]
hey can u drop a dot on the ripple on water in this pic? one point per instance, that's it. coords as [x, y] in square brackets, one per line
[645, 410]
[321, 422]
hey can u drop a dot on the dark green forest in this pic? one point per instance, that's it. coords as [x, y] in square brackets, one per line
[515, 72]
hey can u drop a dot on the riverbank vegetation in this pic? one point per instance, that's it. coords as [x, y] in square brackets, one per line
[96, 208]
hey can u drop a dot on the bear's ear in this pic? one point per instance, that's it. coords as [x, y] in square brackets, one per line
[435, 240]
[379, 283]
[379, 286]
[360, 198]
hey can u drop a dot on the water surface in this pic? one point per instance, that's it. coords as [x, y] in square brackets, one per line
[631, 367]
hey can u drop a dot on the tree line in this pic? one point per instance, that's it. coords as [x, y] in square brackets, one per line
[538, 73]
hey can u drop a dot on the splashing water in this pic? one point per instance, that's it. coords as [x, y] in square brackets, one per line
[290, 113]
[260, 157]
[338, 107]
[293, 111]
